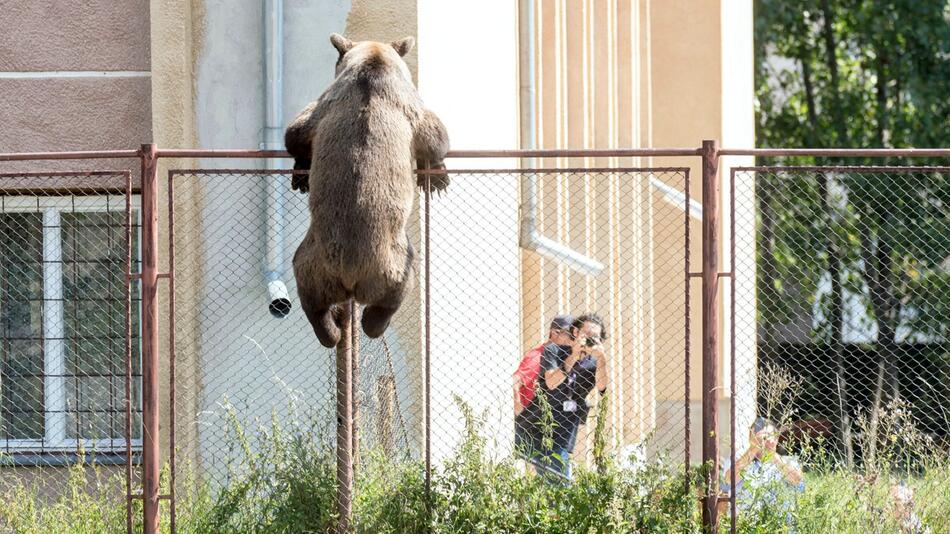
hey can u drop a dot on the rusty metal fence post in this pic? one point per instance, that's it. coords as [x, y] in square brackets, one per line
[344, 419]
[150, 349]
[710, 320]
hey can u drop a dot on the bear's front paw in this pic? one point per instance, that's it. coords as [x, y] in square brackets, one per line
[300, 182]
[437, 181]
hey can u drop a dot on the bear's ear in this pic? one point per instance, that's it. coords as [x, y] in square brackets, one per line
[342, 44]
[404, 45]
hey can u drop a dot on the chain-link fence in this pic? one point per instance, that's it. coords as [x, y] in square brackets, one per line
[256, 394]
[69, 337]
[472, 407]
[851, 267]
[609, 247]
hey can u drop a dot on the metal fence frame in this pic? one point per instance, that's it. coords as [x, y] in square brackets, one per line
[710, 153]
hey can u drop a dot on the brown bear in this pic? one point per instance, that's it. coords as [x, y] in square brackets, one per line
[359, 141]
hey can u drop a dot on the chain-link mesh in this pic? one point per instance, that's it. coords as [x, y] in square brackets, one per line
[256, 394]
[851, 305]
[837, 336]
[492, 303]
[69, 343]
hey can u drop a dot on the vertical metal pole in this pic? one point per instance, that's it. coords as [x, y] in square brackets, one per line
[151, 436]
[172, 395]
[687, 281]
[427, 398]
[355, 389]
[344, 419]
[732, 349]
[710, 334]
[128, 353]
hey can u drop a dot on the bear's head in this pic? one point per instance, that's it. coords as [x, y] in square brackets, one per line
[372, 54]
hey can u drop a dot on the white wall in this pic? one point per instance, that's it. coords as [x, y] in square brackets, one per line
[257, 362]
[738, 130]
[468, 75]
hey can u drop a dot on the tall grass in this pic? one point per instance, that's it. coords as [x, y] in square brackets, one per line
[281, 479]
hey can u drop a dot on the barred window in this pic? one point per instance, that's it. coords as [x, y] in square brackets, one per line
[63, 324]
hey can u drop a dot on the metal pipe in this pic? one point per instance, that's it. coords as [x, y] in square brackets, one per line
[128, 352]
[547, 153]
[732, 351]
[840, 152]
[344, 419]
[427, 354]
[530, 237]
[172, 357]
[90, 154]
[687, 280]
[150, 356]
[278, 302]
[710, 320]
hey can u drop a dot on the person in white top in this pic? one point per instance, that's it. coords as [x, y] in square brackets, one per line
[764, 478]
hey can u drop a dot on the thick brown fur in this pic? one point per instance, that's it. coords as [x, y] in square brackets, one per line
[359, 141]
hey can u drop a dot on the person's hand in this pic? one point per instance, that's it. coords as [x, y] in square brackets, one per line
[598, 352]
[755, 446]
[578, 348]
[753, 451]
[768, 443]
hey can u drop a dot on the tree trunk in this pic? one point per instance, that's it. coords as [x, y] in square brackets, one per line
[831, 61]
[767, 281]
[836, 318]
[834, 264]
[879, 275]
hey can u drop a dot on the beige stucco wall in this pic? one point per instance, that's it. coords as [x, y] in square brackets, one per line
[176, 28]
[640, 73]
[56, 96]
[74, 76]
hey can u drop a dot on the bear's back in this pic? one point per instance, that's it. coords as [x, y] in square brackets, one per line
[361, 177]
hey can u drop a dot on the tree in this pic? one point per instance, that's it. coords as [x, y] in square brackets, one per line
[856, 73]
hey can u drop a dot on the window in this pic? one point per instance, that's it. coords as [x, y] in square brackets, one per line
[63, 324]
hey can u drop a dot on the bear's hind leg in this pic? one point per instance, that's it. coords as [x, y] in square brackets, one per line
[379, 312]
[320, 314]
[376, 316]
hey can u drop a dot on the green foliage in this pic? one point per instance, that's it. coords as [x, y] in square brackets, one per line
[90, 502]
[863, 73]
[283, 482]
[855, 73]
[872, 245]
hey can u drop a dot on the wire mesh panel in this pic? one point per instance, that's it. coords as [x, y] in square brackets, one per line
[256, 393]
[519, 385]
[851, 268]
[69, 355]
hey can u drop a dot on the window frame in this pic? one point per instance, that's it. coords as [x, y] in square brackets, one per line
[51, 207]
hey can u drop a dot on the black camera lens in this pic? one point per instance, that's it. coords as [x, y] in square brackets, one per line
[590, 342]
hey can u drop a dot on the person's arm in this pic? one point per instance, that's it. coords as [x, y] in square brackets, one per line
[554, 374]
[791, 472]
[517, 391]
[600, 378]
[741, 463]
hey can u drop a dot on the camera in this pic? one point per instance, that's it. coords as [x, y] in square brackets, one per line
[590, 342]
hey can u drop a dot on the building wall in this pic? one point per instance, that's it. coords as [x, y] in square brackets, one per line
[468, 76]
[64, 89]
[618, 73]
[186, 73]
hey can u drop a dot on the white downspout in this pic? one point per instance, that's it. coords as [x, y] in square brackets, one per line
[531, 238]
[278, 302]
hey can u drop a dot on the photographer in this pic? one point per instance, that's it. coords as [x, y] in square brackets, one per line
[764, 478]
[570, 373]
